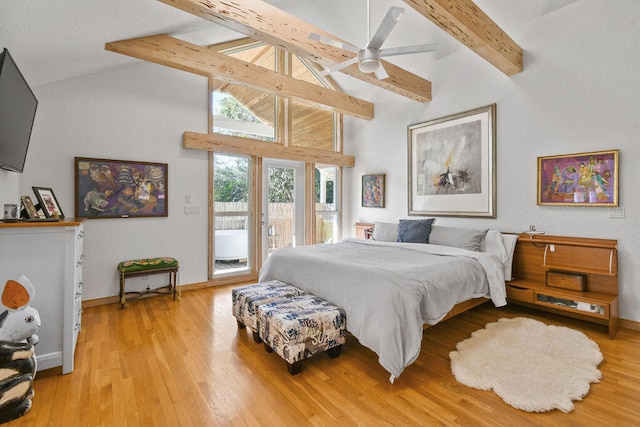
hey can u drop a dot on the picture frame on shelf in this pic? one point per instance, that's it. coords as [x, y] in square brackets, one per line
[29, 209]
[48, 202]
[452, 165]
[373, 190]
[106, 188]
[581, 179]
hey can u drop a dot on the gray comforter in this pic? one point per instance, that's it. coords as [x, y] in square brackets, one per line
[389, 290]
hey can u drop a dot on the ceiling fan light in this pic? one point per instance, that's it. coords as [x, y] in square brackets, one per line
[369, 60]
[369, 65]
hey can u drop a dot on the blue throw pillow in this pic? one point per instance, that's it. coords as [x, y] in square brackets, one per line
[414, 231]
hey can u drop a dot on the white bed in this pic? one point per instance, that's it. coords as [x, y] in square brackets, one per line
[390, 290]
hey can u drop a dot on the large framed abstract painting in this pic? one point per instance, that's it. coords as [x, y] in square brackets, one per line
[583, 179]
[451, 169]
[120, 188]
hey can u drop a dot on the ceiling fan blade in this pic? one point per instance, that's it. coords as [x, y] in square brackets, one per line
[339, 66]
[333, 42]
[404, 50]
[390, 20]
[381, 73]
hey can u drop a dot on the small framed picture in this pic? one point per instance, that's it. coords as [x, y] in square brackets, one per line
[373, 191]
[48, 202]
[28, 206]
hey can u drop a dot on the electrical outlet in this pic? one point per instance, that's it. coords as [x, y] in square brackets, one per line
[192, 210]
[616, 212]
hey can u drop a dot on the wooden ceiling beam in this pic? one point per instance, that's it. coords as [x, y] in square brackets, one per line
[165, 50]
[254, 147]
[262, 21]
[467, 23]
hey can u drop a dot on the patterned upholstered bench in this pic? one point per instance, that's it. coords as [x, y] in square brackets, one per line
[141, 267]
[246, 299]
[301, 327]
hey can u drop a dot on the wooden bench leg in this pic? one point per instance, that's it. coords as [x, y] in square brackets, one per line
[123, 296]
[295, 367]
[174, 281]
[335, 351]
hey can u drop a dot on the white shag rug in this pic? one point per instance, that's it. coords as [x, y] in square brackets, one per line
[531, 366]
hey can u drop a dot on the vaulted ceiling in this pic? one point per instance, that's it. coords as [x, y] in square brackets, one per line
[53, 41]
[259, 20]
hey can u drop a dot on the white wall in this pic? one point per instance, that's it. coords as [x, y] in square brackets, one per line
[139, 113]
[9, 182]
[578, 92]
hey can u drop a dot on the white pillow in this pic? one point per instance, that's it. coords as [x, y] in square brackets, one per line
[493, 243]
[503, 246]
[385, 231]
[510, 241]
[465, 238]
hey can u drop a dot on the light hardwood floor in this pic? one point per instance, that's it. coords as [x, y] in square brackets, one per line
[185, 363]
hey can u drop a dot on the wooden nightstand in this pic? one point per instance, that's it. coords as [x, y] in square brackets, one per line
[595, 260]
[363, 230]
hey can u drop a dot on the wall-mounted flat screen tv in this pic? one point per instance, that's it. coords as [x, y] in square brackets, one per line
[17, 112]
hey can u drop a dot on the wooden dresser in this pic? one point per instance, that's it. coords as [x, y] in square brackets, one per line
[576, 277]
[50, 255]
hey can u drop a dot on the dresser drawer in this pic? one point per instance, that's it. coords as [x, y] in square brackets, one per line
[519, 294]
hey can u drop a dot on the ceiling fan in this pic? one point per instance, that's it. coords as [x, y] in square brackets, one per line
[368, 58]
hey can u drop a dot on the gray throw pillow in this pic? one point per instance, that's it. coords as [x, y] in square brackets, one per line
[385, 232]
[465, 238]
[414, 231]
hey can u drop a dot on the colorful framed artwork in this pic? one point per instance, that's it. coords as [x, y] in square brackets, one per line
[48, 202]
[583, 179]
[373, 191]
[120, 188]
[451, 170]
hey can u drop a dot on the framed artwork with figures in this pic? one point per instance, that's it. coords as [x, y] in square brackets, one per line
[373, 191]
[120, 188]
[582, 179]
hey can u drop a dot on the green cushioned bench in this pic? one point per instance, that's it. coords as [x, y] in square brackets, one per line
[141, 267]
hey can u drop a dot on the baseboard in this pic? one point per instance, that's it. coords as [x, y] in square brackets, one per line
[49, 360]
[183, 288]
[629, 324]
[100, 301]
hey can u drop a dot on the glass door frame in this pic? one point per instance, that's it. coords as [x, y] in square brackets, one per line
[250, 273]
[299, 201]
